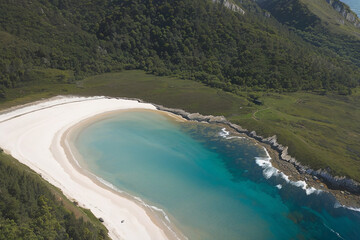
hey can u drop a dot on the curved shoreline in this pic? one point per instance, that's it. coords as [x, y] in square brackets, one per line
[34, 134]
[146, 225]
[157, 215]
[345, 190]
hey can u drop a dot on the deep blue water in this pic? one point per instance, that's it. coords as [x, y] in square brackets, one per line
[354, 5]
[211, 187]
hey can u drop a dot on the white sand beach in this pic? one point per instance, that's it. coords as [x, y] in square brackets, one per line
[34, 133]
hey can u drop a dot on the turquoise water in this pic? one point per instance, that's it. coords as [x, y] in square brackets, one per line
[211, 187]
[354, 5]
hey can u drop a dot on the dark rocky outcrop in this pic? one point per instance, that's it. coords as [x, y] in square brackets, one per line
[335, 182]
[345, 11]
[341, 183]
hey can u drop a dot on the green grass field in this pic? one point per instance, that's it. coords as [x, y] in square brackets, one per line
[321, 131]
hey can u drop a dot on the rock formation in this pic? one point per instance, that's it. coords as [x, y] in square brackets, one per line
[335, 182]
[231, 5]
[345, 11]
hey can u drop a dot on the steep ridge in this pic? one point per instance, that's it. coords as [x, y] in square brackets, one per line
[345, 11]
[292, 13]
[303, 14]
[320, 24]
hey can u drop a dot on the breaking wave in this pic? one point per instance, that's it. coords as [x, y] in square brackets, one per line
[332, 230]
[338, 205]
[353, 209]
[226, 134]
[270, 171]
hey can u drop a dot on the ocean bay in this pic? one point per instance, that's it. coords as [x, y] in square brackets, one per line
[209, 185]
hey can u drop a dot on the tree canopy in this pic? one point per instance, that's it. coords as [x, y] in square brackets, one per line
[198, 40]
[29, 209]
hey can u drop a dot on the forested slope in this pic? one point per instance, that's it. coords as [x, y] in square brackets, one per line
[319, 23]
[198, 40]
[30, 210]
[61, 41]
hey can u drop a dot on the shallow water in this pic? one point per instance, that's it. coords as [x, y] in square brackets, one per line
[208, 183]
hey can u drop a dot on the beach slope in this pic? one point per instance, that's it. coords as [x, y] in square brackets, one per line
[34, 134]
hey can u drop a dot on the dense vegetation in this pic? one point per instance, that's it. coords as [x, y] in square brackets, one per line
[47, 46]
[327, 30]
[192, 39]
[30, 210]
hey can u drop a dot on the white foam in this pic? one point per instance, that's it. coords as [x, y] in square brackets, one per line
[304, 185]
[279, 186]
[353, 209]
[338, 205]
[162, 211]
[232, 137]
[269, 170]
[332, 230]
[151, 207]
[224, 133]
[106, 183]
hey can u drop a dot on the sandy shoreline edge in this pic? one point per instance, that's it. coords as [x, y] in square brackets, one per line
[20, 127]
[157, 216]
[38, 136]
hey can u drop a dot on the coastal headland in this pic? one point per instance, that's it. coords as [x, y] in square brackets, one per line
[345, 190]
[39, 136]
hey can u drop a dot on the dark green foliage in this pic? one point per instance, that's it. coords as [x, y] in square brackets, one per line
[197, 40]
[311, 28]
[28, 209]
[292, 13]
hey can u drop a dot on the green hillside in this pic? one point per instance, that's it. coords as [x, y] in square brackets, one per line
[301, 58]
[318, 23]
[197, 40]
[30, 208]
